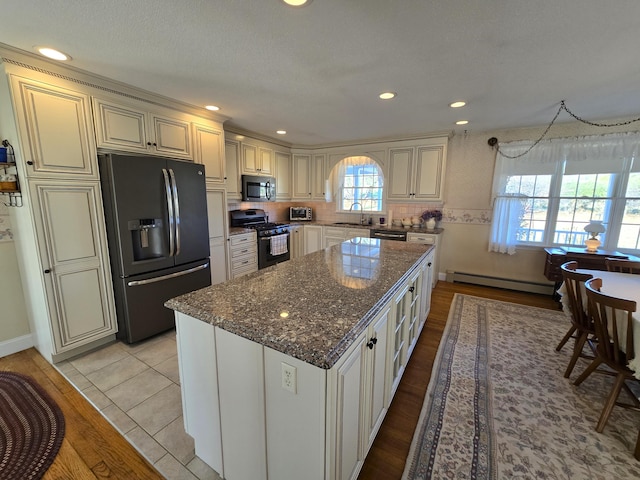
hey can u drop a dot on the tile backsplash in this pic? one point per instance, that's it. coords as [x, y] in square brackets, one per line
[326, 211]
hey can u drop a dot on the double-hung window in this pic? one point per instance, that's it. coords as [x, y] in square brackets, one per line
[359, 185]
[548, 195]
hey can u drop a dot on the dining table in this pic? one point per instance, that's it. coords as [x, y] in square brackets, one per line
[619, 285]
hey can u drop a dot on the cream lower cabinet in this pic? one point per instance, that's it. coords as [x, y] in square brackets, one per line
[313, 238]
[75, 265]
[217, 216]
[429, 239]
[247, 423]
[357, 386]
[296, 240]
[335, 235]
[243, 254]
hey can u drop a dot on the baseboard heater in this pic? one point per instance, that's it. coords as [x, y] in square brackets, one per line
[496, 282]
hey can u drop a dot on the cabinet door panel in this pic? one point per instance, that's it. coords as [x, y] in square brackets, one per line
[232, 164]
[249, 158]
[318, 177]
[377, 377]
[400, 181]
[428, 172]
[119, 127]
[172, 137]
[209, 152]
[349, 402]
[283, 176]
[266, 161]
[68, 215]
[301, 176]
[57, 123]
[80, 294]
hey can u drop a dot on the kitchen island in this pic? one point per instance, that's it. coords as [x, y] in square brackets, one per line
[287, 373]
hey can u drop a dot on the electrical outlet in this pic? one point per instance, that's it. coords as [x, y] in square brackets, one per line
[289, 379]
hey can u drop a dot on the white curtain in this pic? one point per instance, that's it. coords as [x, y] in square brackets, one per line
[508, 210]
[610, 153]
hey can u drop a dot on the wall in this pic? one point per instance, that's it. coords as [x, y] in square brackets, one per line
[13, 314]
[467, 209]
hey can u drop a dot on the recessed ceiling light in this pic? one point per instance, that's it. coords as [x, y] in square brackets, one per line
[213, 108]
[53, 53]
[457, 104]
[297, 3]
[462, 122]
[281, 132]
[387, 95]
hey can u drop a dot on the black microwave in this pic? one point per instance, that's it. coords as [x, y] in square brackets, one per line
[256, 188]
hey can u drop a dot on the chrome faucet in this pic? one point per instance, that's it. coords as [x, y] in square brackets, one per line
[361, 211]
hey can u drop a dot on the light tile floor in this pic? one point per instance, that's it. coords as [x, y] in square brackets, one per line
[137, 388]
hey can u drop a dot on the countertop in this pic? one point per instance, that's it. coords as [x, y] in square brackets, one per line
[239, 230]
[313, 307]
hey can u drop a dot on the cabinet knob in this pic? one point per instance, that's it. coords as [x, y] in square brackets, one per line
[429, 264]
[372, 341]
[29, 162]
[155, 144]
[149, 144]
[411, 289]
[48, 270]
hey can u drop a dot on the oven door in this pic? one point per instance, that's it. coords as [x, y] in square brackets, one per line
[273, 249]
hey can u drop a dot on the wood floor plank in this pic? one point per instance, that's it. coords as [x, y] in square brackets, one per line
[388, 454]
[92, 448]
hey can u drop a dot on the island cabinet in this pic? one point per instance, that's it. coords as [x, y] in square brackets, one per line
[262, 411]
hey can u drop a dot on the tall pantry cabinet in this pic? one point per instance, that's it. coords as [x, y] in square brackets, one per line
[61, 239]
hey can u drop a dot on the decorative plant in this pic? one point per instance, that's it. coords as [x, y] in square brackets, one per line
[435, 214]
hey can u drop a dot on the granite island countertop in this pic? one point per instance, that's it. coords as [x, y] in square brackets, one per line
[313, 307]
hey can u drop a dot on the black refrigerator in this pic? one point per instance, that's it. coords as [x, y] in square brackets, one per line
[158, 236]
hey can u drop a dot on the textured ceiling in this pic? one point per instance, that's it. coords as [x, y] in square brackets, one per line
[316, 71]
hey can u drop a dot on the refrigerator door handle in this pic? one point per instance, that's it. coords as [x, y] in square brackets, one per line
[176, 208]
[167, 188]
[136, 283]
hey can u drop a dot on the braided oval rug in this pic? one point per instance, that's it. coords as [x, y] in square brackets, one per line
[31, 428]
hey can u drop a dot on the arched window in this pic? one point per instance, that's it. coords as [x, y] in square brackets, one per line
[359, 185]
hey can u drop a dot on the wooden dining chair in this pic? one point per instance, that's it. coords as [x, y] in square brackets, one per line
[622, 265]
[611, 316]
[581, 324]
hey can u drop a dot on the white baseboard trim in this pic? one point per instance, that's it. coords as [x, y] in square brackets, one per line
[15, 345]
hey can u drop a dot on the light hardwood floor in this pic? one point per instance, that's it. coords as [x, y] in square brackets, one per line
[92, 448]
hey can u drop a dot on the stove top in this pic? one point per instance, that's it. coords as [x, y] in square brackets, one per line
[258, 220]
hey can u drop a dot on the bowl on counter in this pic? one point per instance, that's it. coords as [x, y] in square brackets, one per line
[397, 222]
[406, 222]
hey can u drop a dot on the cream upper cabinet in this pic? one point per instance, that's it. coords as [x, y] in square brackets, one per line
[301, 174]
[209, 151]
[232, 163]
[417, 173]
[56, 130]
[134, 128]
[256, 160]
[308, 176]
[283, 176]
[75, 262]
[317, 179]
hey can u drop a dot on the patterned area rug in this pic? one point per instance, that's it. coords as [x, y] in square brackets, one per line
[498, 406]
[31, 428]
